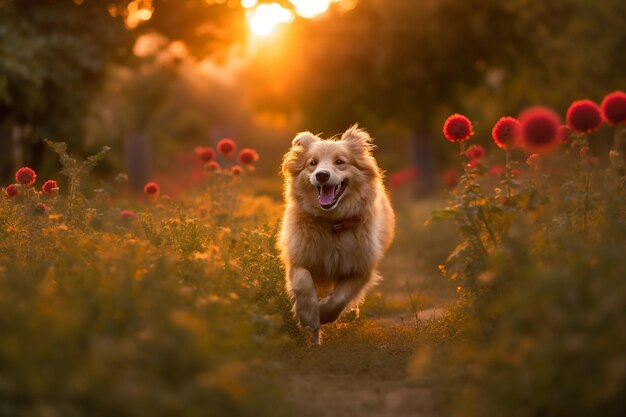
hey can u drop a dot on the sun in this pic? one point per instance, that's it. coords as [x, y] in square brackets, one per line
[262, 20]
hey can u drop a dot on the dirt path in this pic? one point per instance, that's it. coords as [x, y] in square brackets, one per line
[361, 370]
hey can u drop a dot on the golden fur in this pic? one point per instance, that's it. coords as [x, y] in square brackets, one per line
[319, 261]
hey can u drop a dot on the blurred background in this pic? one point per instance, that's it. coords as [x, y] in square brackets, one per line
[155, 78]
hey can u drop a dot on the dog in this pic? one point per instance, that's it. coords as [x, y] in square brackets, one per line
[337, 224]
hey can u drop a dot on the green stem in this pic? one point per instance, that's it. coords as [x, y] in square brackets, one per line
[507, 173]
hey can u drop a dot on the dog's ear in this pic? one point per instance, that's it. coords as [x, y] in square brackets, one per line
[360, 142]
[304, 139]
[358, 138]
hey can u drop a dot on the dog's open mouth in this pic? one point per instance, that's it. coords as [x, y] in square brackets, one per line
[329, 194]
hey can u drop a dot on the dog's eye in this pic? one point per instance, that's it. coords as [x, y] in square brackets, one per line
[313, 163]
[339, 161]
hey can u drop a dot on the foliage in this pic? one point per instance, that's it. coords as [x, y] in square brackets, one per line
[537, 330]
[177, 310]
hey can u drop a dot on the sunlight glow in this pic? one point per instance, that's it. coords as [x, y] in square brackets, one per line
[248, 4]
[264, 18]
[310, 8]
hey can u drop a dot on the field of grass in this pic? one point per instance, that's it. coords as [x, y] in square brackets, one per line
[121, 305]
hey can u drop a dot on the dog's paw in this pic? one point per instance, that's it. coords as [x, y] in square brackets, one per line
[316, 339]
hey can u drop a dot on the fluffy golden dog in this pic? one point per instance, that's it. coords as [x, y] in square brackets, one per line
[337, 224]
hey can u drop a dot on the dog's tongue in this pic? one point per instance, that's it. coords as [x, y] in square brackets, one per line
[327, 194]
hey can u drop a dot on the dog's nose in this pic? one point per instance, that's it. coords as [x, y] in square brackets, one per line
[322, 176]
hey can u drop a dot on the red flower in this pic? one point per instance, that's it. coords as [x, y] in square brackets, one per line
[206, 154]
[247, 156]
[450, 179]
[475, 152]
[539, 127]
[515, 172]
[226, 147]
[25, 176]
[127, 215]
[584, 116]
[403, 176]
[614, 108]
[496, 170]
[151, 188]
[505, 132]
[236, 170]
[213, 166]
[564, 133]
[457, 128]
[11, 191]
[40, 208]
[50, 187]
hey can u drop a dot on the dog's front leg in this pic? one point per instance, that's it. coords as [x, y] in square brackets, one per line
[306, 305]
[346, 291]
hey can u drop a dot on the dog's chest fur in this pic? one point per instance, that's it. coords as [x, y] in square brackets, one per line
[331, 256]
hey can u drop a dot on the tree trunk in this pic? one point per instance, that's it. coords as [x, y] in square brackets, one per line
[137, 160]
[423, 155]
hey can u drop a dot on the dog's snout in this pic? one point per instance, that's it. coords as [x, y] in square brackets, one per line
[322, 176]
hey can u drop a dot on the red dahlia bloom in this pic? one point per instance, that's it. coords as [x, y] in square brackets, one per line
[226, 147]
[564, 133]
[11, 190]
[457, 128]
[25, 176]
[475, 152]
[206, 153]
[40, 208]
[151, 188]
[127, 215]
[584, 116]
[496, 170]
[236, 170]
[614, 108]
[213, 166]
[50, 187]
[505, 132]
[247, 156]
[539, 128]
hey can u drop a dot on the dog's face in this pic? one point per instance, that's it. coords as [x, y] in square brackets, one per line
[331, 178]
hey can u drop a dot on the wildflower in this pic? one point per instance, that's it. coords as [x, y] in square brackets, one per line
[457, 128]
[40, 208]
[127, 215]
[226, 147]
[236, 170]
[614, 108]
[50, 187]
[403, 176]
[564, 133]
[515, 172]
[474, 163]
[206, 153]
[505, 132]
[496, 170]
[584, 116]
[11, 191]
[475, 152]
[539, 126]
[213, 166]
[151, 188]
[450, 179]
[533, 160]
[247, 156]
[25, 176]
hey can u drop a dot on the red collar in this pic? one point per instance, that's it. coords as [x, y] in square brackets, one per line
[344, 224]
